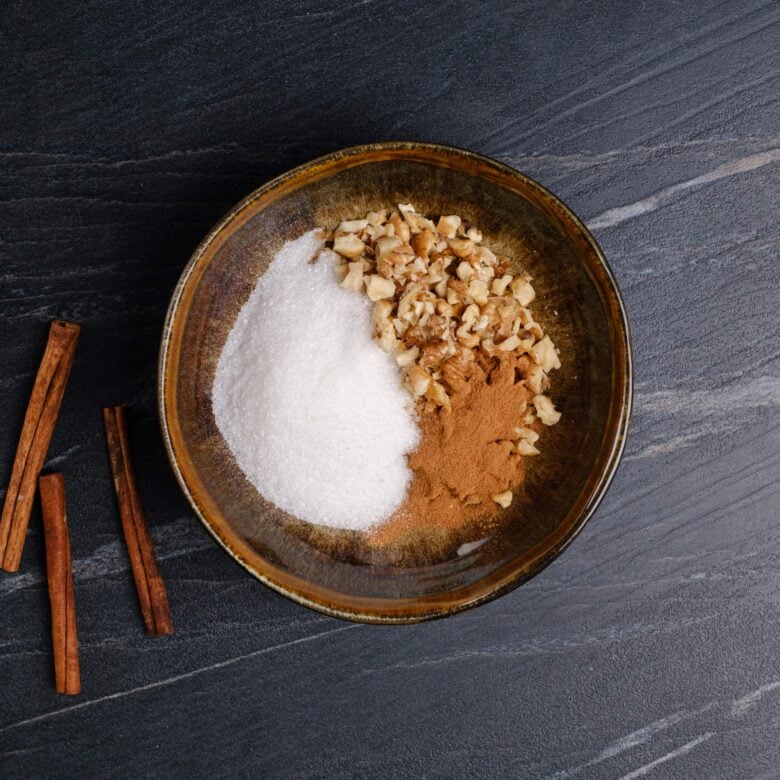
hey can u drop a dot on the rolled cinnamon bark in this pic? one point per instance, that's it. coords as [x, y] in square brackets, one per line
[59, 573]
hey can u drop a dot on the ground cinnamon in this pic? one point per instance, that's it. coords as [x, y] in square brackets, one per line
[467, 454]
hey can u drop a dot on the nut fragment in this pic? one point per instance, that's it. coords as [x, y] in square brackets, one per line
[352, 226]
[498, 287]
[526, 448]
[503, 499]
[382, 311]
[464, 271]
[469, 340]
[484, 256]
[546, 410]
[527, 434]
[418, 379]
[354, 279]
[470, 314]
[378, 288]
[462, 247]
[478, 291]
[509, 344]
[485, 273]
[407, 357]
[348, 245]
[423, 243]
[438, 394]
[387, 339]
[385, 245]
[545, 355]
[448, 225]
[523, 291]
[401, 227]
[536, 379]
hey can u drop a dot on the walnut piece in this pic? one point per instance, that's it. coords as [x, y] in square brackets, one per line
[354, 279]
[545, 410]
[348, 245]
[503, 499]
[377, 287]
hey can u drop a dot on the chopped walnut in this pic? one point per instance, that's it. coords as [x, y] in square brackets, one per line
[503, 499]
[348, 245]
[526, 448]
[441, 297]
[354, 279]
[352, 226]
[448, 226]
[462, 247]
[545, 409]
[378, 288]
[477, 291]
[407, 357]
[545, 355]
[418, 379]
[522, 290]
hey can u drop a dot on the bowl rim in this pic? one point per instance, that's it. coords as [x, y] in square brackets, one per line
[609, 454]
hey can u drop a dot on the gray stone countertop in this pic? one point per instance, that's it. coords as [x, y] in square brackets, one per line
[650, 648]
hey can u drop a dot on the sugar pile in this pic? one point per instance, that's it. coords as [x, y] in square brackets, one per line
[312, 409]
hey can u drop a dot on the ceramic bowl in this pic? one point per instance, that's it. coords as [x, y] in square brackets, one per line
[578, 303]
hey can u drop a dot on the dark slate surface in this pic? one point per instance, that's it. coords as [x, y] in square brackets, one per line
[651, 647]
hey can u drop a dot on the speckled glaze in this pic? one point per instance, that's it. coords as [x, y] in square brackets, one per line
[578, 302]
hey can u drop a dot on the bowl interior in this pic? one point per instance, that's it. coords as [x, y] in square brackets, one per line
[576, 302]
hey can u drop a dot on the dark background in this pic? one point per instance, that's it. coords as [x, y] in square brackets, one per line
[650, 648]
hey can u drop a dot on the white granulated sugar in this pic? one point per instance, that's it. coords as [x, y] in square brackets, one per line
[312, 409]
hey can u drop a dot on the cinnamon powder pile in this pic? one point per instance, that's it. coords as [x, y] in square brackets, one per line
[466, 454]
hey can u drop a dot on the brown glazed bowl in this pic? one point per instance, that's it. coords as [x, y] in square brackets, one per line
[578, 303]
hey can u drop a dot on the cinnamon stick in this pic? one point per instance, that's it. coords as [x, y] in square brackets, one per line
[59, 573]
[37, 430]
[152, 596]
